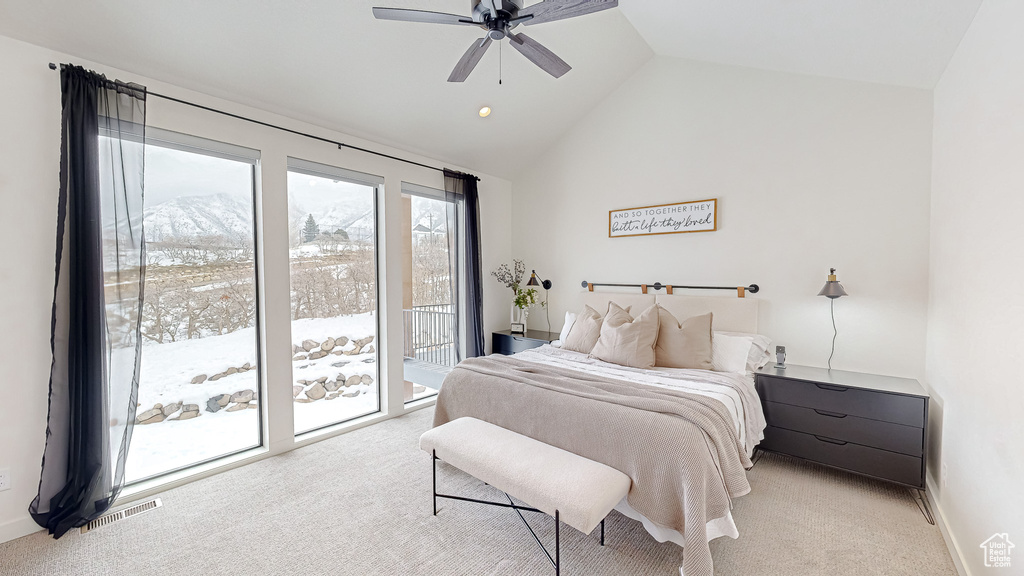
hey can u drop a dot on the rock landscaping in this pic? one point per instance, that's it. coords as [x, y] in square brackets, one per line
[303, 391]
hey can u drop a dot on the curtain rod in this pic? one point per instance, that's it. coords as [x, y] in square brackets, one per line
[741, 290]
[283, 129]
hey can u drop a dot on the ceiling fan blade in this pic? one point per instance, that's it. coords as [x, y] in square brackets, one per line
[469, 60]
[421, 16]
[539, 55]
[551, 10]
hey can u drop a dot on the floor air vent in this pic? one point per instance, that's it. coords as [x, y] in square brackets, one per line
[122, 514]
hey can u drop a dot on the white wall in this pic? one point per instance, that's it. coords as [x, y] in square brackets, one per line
[29, 158]
[809, 173]
[976, 318]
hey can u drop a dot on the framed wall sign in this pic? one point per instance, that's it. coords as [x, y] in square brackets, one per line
[696, 216]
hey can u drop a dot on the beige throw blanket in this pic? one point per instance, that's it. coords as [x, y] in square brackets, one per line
[681, 450]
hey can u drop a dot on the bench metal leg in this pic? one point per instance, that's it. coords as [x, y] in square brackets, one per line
[558, 547]
[556, 560]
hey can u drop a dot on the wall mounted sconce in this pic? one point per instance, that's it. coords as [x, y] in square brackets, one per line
[546, 285]
[832, 290]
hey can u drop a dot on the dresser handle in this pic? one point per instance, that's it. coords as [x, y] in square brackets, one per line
[832, 388]
[830, 440]
[827, 413]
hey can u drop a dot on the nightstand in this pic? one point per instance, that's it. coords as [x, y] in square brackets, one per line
[863, 423]
[505, 342]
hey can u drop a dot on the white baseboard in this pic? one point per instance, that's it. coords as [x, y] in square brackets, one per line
[17, 528]
[940, 520]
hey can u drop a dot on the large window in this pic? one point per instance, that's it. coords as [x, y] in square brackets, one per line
[430, 289]
[333, 252]
[199, 383]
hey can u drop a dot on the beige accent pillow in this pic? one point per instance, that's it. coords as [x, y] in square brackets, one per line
[686, 345]
[626, 340]
[584, 332]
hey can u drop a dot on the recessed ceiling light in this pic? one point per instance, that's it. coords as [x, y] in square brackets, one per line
[485, 111]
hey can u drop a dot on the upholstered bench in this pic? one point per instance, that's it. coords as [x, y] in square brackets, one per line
[571, 488]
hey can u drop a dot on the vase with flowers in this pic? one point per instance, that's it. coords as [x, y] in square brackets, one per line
[522, 298]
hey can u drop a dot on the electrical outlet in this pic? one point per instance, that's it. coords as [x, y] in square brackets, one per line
[5, 479]
[945, 474]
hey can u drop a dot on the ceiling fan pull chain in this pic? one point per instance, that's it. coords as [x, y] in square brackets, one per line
[499, 64]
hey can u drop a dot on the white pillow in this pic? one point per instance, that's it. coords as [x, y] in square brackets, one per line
[570, 319]
[760, 349]
[729, 353]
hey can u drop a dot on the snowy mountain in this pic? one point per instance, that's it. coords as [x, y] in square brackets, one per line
[190, 216]
[354, 218]
[231, 216]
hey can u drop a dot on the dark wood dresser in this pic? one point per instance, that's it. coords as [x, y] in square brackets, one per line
[505, 342]
[864, 423]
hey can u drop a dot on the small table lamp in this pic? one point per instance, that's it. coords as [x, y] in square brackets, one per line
[832, 290]
[546, 284]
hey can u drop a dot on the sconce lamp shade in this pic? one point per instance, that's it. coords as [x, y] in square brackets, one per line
[832, 289]
[534, 281]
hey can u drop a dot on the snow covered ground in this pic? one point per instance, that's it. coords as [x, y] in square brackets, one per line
[168, 370]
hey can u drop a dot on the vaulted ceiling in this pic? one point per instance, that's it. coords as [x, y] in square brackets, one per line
[901, 42]
[329, 62]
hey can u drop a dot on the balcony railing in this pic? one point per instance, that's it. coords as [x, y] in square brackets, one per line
[430, 334]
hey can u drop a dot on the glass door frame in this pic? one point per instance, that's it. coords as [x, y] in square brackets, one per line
[212, 148]
[411, 189]
[321, 170]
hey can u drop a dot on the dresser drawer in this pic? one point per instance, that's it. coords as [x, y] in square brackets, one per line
[506, 344]
[876, 434]
[895, 408]
[848, 456]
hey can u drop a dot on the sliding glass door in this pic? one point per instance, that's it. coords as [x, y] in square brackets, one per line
[430, 289]
[199, 383]
[333, 254]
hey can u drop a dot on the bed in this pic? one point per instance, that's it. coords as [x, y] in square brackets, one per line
[685, 437]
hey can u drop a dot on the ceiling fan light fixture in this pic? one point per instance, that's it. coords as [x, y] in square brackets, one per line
[485, 111]
[498, 18]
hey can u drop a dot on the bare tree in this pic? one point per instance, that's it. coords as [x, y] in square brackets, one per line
[162, 317]
[195, 304]
[431, 273]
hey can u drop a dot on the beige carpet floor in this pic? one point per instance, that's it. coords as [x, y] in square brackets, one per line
[360, 504]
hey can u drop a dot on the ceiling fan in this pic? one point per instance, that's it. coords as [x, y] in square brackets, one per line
[499, 18]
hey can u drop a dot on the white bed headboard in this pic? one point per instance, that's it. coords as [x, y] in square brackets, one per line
[731, 314]
[599, 301]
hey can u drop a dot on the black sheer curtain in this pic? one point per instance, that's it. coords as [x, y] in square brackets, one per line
[97, 300]
[461, 189]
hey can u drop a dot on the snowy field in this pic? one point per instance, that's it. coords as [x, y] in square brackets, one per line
[169, 369]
